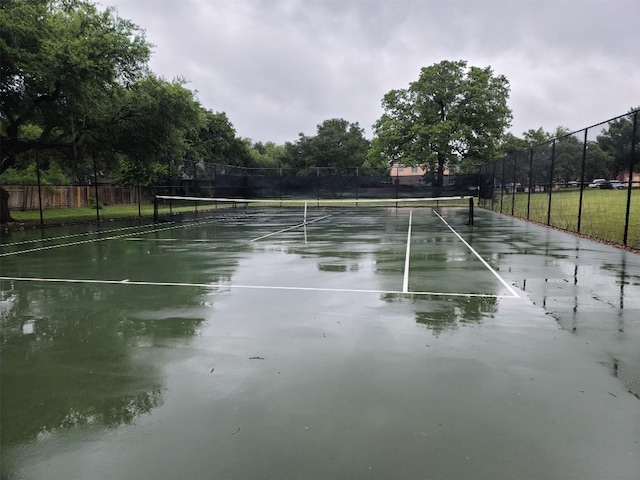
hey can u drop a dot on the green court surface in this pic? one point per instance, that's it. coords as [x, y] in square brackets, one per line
[358, 343]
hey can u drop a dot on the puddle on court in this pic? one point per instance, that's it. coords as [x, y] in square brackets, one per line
[144, 381]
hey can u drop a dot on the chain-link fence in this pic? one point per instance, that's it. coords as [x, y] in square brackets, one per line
[43, 199]
[585, 182]
[201, 179]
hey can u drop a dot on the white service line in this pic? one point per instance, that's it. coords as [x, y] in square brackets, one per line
[225, 286]
[289, 228]
[405, 281]
[484, 262]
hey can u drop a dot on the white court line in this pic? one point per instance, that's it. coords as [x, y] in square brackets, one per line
[116, 237]
[289, 228]
[160, 240]
[502, 280]
[61, 237]
[405, 281]
[95, 240]
[225, 286]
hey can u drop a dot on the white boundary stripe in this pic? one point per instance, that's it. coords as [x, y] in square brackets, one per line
[484, 262]
[405, 280]
[289, 228]
[62, 237]
[126, 281]
[93, 240]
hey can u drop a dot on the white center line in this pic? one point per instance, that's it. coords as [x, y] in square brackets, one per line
[303, 224]
[502, 280]
[405, 281]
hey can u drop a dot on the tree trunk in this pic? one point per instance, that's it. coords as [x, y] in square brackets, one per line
[439, 180]
[5, 215]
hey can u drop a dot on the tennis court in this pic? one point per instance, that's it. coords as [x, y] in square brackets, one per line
[319, 342]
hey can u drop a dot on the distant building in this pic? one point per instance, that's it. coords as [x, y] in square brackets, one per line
[624, 177]
[413, 175]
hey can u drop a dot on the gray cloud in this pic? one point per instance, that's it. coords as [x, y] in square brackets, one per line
[278, 68]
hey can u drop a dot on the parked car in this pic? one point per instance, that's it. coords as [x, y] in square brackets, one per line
[597, 182]
[513, 187]
[617, 184]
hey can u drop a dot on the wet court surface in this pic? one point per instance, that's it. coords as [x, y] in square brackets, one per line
[205, 351]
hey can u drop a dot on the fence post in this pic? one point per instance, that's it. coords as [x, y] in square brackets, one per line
[502, 184]
[195, 179]
[632, 154]
[139, 174]
[584, 163]
[39, 182]
[493, 185]
[215, 180]
[553, 161]
[169, 176]
[530, 182]
[397, 182]
[95, 186]
[195, 187]
[513, 193]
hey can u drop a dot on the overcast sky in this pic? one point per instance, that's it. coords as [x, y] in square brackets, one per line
[278, 68]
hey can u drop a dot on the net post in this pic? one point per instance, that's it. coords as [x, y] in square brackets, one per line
[471, 211]
[155, 208]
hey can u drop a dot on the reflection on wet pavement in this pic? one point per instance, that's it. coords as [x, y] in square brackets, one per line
[591, 290]
[190, 381]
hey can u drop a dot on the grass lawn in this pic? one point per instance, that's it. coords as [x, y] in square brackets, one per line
[56, 216]
[603, 212]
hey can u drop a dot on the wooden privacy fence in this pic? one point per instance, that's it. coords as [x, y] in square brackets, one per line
[25, 197]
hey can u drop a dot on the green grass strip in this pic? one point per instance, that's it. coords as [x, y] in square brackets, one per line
[603, 212]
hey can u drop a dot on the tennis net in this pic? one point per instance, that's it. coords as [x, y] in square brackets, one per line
[179, 208]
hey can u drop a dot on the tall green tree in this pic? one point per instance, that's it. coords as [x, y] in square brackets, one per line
[266, 155]
[216, 142]
[453, 117]
[377, 163]
[616, 139]
[338, 144]
[62, 62]
[510, 143]
[568, 157]
[153, 123]
[535, 137]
